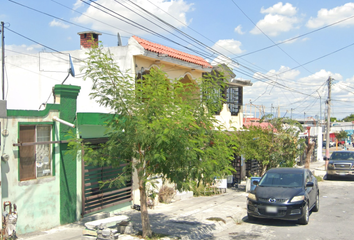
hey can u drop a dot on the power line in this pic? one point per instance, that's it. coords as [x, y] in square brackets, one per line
[294, 38]
[267, 35]
[93, 19]
[266, 77]
[323, 56]
[61, 19]
[101, 5]
[151, 31]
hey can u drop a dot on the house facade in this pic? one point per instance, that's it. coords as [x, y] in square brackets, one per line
[49, 184]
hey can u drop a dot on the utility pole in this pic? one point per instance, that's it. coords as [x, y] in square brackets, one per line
[3, 60]
[278, 111]
[291, 115]
[328, 118]
[320, 106]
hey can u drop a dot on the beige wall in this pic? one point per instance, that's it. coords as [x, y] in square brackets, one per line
[229, 123]
[174, 71]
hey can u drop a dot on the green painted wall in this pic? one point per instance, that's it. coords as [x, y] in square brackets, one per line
[93, 118]
[68, 165]
[37, 200]
[33, 113]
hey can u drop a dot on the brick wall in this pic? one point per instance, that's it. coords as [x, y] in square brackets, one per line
[86, 40]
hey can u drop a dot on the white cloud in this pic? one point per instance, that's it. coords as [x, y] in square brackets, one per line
[78, 4]
[238, 29]
[56, 23]
[273, 25]
[286, 9]
[325, 16]
[284, 73]
[350, 80]
[228, 47]
[265, 92]
[11, 50]
[280, 18]
[163, 9]
[320, 77]
[224, 60]
[289, 41]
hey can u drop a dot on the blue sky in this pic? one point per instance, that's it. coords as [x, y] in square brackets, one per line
[229, 31]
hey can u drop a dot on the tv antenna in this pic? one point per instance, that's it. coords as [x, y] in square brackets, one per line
[71, 70]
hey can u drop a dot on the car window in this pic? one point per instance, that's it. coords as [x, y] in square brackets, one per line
[308, 176]
[342, 156]
[282, 180]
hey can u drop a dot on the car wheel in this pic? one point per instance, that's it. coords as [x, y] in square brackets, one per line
[317, 204]
[304, 220]
[251, 218]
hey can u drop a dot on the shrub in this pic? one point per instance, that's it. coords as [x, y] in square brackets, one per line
[202, 190]
[166, 194]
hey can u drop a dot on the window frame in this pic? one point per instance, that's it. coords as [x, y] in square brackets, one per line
[228, 95]
[52, 148]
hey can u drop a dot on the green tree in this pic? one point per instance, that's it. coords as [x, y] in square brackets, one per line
[342, 135]
[275, 145]
[349, 118]
[159, 127]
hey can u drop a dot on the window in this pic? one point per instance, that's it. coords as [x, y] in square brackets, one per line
[234, 99]
[35, 159]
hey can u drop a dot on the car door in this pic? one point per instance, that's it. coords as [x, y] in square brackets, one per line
[311, 191]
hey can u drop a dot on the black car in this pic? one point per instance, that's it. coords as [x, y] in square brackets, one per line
[341, 163]
[284, 193]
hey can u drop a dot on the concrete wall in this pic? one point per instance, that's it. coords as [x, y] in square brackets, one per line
[37, 200]
[229, 123]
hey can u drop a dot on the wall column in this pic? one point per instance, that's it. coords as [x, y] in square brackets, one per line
[66, 96]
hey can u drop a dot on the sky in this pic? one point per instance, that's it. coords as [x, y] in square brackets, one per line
[287, 49]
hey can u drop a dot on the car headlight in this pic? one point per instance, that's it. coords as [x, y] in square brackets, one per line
[298, 198]
[330, 165]
[251, 196]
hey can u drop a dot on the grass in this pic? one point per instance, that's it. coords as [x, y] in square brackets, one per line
[237, 221]
[319, 179]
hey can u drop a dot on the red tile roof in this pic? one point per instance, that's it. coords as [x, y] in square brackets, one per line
[161, 49]
[263, 125]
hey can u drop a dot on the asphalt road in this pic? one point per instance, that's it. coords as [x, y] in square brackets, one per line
[333, 221]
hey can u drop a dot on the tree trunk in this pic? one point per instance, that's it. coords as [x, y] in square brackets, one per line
[309, 151]
[144, 211]
[264, 169]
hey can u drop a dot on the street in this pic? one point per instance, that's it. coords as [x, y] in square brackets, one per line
[224, 217]
[333, 221]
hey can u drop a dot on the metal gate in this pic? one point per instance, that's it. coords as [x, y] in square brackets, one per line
[236, 164]
[96, 198]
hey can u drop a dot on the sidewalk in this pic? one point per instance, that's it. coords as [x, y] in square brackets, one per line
[183, 219]
[317, 168]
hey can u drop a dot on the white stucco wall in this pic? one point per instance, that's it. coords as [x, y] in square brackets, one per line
[31, 77]
[229, 123]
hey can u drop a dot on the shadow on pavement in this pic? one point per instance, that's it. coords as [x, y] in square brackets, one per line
[274, 222]
[181, 227]
[339, 178]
